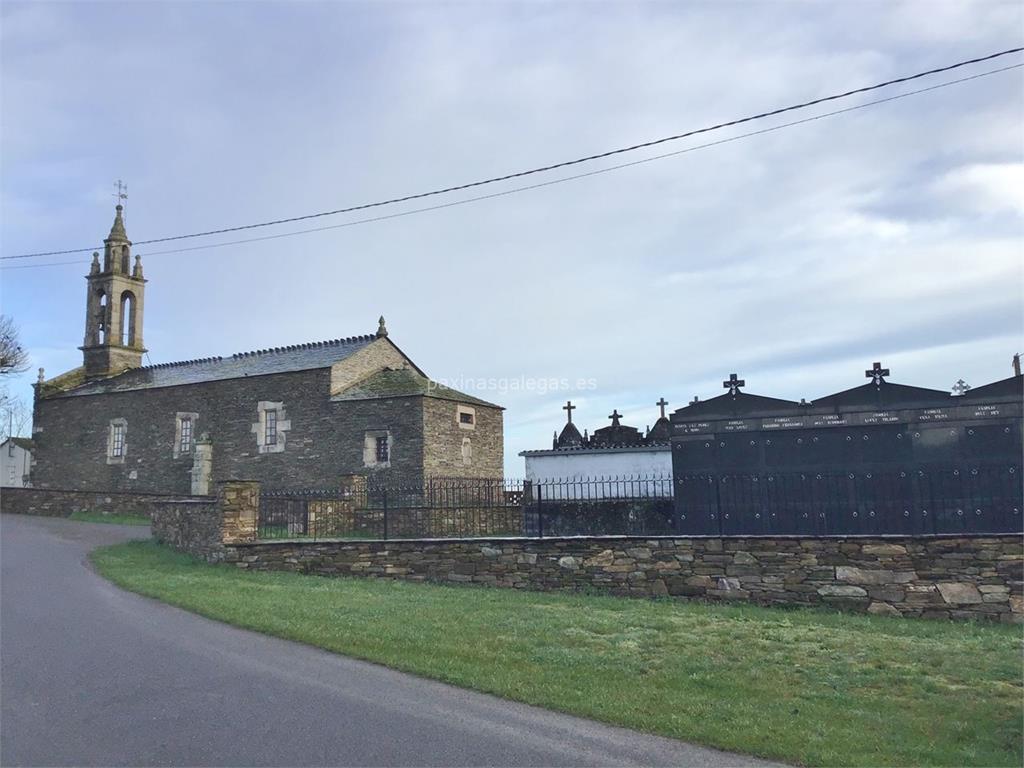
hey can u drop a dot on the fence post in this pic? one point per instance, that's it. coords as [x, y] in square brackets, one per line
[385, 496]
[540, 515]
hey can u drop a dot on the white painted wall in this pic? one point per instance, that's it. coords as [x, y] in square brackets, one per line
[15, 465]
[560, 469]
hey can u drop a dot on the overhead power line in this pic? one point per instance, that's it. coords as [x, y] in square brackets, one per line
[551, 167]
[551, 182]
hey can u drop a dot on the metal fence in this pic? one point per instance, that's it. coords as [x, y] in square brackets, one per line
[435, 508]
[936, 500]
[638, 505]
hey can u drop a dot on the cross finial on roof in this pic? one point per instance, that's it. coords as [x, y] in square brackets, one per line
[121, 194]
[615, 416]
[569, 408]
[876, 373]
[662, 402]
[733, 384]
[961, 387]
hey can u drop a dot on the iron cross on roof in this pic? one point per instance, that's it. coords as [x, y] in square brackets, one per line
[661, 404]
[733, 384]
[569, 408]
[615, 416]
[961, 387]
[877, 372]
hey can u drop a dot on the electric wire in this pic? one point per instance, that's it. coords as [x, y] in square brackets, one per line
[546, 168]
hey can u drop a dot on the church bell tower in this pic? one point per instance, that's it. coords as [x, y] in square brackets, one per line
[113, 315]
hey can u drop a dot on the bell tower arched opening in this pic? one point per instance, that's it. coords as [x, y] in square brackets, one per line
[128, 319]
[113, 326]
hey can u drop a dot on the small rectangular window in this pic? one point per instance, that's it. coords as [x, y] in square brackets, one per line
[186, 435]
[383, 451]
[465, 418]
[270, 428]
[117, 445]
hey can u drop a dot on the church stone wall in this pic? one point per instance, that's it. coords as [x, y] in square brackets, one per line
[379, 355]
[325, 439]
[445, 439]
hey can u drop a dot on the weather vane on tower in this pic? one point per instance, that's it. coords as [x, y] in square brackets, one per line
[122, 193]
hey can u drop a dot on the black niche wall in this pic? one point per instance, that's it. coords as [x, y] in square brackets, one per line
[882, 458]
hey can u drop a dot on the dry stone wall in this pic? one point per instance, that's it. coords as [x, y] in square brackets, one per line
[192, 525]
[51, 502]
[946, 578]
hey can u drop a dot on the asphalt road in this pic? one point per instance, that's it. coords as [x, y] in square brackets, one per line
[93, 675]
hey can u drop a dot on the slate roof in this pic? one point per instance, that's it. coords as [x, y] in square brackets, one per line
[21, 442]
[886, 395]
[569, 437]
[729, 406]
[661, 432]
[616, 434]
[405, 382]
[297, 357]
[588, 449]
[1012, 387]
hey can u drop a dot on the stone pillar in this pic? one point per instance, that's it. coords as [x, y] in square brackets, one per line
[202, 466]
[239, 504]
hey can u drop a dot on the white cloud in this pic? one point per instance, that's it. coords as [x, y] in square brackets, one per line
[987, 188]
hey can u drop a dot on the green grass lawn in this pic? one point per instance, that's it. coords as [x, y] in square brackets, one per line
[802, 686]
[100, 517]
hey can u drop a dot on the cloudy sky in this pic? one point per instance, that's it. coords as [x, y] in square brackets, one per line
[795, 258]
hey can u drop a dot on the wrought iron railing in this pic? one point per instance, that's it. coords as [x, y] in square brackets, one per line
[923, 501]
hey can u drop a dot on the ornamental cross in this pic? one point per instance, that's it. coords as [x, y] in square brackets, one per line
[733, 384]
[122, 192]
[615, 417]
[569, 408]
[661, 404]
[876, 373]
[961, 387]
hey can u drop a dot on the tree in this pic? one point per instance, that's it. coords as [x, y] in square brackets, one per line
[15, 418]
[13, 357]
[14, 415]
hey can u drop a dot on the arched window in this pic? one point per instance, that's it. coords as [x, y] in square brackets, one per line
[125, 260]
[127, 319]
[101, 319]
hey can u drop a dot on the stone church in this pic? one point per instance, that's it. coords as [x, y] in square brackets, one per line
[291, 417]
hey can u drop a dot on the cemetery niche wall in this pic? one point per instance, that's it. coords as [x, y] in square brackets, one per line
[881, 458]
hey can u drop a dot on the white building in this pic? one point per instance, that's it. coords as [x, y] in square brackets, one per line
[617, 461]
[15, 462]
